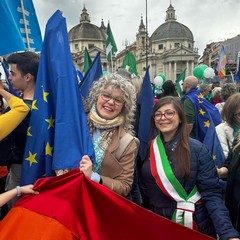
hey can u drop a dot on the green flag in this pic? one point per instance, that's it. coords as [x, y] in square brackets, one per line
[87, 61]
[111, 46]
[129, 63]
[179, 82]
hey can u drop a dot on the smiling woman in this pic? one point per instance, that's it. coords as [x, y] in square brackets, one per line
[179, 181]
[110, 110]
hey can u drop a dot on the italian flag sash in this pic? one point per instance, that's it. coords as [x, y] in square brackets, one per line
[168, 183]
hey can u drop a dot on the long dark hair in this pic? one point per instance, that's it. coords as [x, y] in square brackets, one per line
[182, 152]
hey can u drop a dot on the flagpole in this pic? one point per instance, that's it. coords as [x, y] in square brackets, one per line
[111, 61]
[146, 37]
[25, 25]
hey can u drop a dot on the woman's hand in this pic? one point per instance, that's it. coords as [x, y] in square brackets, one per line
[86, 166]
[28, 189]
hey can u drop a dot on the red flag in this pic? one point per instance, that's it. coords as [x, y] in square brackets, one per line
[79, 208]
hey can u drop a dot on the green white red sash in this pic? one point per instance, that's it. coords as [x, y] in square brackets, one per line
[168, 183]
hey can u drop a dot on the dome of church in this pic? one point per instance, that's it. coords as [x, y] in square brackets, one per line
[171, 29]
[86, 30]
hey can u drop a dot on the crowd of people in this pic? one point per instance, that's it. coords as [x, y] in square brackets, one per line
[178, 179]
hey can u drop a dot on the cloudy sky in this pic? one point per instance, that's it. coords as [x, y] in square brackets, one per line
[208, 20]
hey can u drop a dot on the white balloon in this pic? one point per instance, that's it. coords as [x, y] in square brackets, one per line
[158, 80]
[208, 73]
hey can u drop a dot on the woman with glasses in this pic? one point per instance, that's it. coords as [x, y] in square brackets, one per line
[179, 180]
[110, 109]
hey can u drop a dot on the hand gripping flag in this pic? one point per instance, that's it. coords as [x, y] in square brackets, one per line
[58, 134]
[71, 207]
[19, 27]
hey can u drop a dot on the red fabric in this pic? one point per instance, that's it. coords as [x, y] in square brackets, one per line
[21, 223]
[3, 171]
[91, 211]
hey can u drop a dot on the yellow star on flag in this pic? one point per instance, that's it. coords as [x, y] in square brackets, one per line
[207, 124]
[48, 149]
[34, 105]
[200, 102]
[201, 112]
[28, 132]
[45, 94]
[31, 158]
[200, 95]
[50, 121]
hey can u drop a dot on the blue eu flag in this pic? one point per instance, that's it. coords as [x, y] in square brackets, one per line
[58, 134]
[146, 102]
[19, 27]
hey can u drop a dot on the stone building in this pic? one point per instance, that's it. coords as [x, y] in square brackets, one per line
[170, 48]
[86, 34]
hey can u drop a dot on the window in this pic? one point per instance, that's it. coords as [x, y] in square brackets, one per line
[76, 46]
[160, 47]
[90, 46]
[176, 45]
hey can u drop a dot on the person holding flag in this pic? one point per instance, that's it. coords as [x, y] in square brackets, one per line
[10, 120]
[198, 110]
[110, 109]
[180, 181]
[23, 75]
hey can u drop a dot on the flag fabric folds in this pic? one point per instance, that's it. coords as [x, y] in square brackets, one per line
[146, 102]
[93, 74]
[87, 61]
[207, 118]
[222, 63]
[179, 82]
[111, 46]
[206, 114]
[58, 134]
[16, 19]
[79, 208]
[213, 144]
[129, 63]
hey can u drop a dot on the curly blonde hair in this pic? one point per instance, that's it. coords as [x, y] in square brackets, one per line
[129, 97]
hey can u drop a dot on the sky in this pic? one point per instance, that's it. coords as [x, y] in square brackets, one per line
[209, 21]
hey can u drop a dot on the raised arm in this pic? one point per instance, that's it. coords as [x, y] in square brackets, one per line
[10, 120]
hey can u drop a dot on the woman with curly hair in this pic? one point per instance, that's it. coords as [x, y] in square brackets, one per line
[110, 110]
[227, 90]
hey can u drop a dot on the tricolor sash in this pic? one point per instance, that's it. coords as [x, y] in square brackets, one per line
[168, 183]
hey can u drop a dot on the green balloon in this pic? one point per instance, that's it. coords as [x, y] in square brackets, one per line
[198, 72]
[105, 73]
[203, 66]
[162, 75]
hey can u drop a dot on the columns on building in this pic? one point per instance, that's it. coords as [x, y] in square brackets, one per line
[174, 72]
[169, 70]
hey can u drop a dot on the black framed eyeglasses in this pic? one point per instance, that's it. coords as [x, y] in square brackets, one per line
[168, 115]
[107, 97]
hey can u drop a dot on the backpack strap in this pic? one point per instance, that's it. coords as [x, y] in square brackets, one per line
[124, 141]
